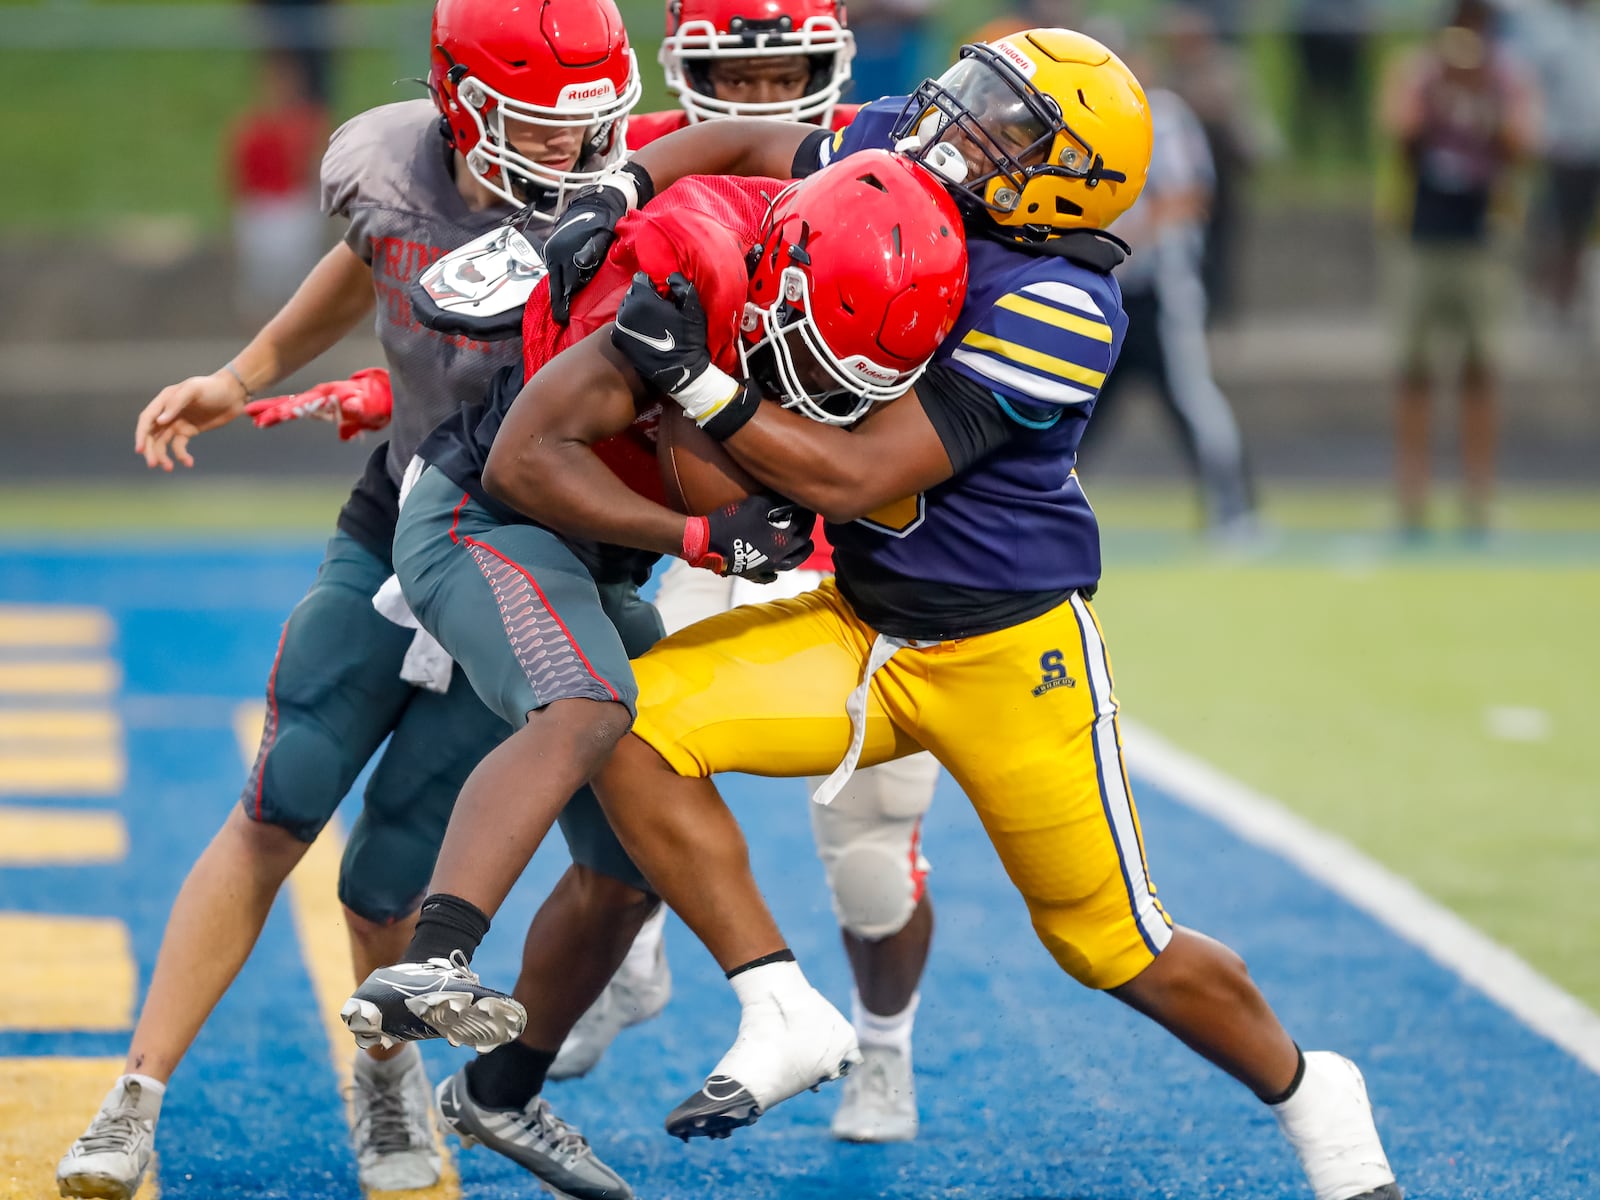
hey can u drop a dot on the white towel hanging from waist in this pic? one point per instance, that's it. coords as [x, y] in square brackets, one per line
[883, 649]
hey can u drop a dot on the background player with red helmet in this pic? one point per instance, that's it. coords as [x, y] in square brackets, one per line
[960, 620]
[509, 542]
[411, 187]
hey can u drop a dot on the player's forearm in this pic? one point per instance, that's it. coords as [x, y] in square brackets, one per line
[744, 146]
[334, 297]
[564, 486]
[821, 467]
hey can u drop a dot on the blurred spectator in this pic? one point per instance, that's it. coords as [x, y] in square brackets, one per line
[1165, 302]
[1561, 41]
[892, 47]
[1330, 39]
[1205, 72]
[273, 154]
[1462, 114]
[295, 26]
[1029, 14]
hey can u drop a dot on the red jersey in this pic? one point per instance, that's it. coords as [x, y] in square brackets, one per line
[275, 152]
[644, 128]
[702, 226]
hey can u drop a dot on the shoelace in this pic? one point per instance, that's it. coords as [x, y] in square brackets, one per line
[540, 1120]
[456, 965]
[384, 1124]
[111, 1133]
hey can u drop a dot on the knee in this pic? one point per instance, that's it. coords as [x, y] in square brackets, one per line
[384, 874]
[876, 882]
[600, 892]
[265, 839]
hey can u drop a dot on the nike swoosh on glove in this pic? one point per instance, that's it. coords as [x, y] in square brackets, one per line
[359, 404]
[578, 243]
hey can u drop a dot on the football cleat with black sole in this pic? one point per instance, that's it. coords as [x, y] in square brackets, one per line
[440, 998]
[782, 1050]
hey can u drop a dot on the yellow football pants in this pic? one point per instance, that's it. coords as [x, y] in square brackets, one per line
[1023, 718]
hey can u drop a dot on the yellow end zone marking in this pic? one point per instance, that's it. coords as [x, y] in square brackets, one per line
[61, 677]
[60, 725]
[31, 626]
[44, 1104]
[325, 942]
[34, 836]
[80, 973]
[97, 773]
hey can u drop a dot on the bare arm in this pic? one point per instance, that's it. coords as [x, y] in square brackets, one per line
[745, 146]
[543, 464]
[334, 297]
[843, 474]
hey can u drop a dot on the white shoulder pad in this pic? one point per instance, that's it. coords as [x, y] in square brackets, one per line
[479, 289]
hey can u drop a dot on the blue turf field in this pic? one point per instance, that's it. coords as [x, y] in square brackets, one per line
[1030, 1088]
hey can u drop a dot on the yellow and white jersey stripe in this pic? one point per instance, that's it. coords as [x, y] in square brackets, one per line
[1048, 341]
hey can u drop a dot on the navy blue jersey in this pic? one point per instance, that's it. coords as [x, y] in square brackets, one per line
[1036, 338]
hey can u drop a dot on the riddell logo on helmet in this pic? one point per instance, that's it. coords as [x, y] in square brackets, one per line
[586, 93]
[871, 372]
[1017, 59]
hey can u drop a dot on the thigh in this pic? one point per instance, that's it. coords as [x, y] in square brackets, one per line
[511, 604]
[333, 695]
[1025, 721]
[762, 689]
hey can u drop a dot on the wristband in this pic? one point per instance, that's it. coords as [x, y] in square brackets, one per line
[634, 182]
[239, 379]
[734, 415]
[696, 540]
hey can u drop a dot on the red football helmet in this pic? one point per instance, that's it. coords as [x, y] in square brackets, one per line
[702, 31]
[550, 64]
[860, 273]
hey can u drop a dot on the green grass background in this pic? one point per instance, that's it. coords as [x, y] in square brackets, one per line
[95, 135]
[1342, 672]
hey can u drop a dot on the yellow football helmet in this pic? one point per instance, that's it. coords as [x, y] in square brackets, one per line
[1044, 130]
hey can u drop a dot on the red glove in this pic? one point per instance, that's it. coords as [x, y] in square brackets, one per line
[357, 404]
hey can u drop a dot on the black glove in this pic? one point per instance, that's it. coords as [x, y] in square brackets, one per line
[578, 243]
[753, 538]
[663, 336]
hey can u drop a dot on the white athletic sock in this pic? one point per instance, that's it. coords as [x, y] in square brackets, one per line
[892, 1032]
[784, 981]
[388, 1069]
[642, 954]
[151, 1091]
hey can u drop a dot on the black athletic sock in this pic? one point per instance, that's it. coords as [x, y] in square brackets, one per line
[784, 955]
[446, 923]
[508, 1076]
[1294, 1084]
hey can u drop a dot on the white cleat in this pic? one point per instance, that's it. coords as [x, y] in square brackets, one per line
[109, 1161]
[782, 1049]
[880, 1099]
[392, 1130]
[1329, 1123]
[636, 993]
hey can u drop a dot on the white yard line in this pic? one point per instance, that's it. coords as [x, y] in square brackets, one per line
[1488, 966]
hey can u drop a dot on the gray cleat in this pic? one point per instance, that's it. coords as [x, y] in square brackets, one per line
[533, 1137]
[392, 1130]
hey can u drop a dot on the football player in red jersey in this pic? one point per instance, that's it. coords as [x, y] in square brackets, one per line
[523, 126]
[532, 513]
[790, 59]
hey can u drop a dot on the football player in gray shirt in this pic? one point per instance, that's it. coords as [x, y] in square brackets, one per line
[510, 124]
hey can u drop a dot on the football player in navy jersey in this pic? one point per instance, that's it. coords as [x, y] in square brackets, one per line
[960, 622]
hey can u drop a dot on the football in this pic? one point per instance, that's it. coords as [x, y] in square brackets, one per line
[697, 474]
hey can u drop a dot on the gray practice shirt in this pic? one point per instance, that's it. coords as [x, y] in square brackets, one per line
[388, 172]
